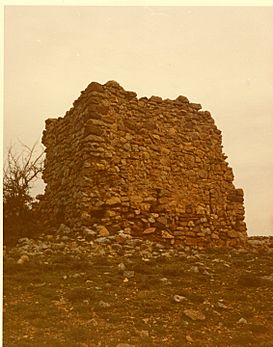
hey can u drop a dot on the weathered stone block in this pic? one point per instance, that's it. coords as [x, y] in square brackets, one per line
[114, 200]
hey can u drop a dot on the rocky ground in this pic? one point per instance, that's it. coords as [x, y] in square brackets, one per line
[71, 290]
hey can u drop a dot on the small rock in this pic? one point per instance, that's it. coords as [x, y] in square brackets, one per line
[194, 269]
[149, 230]
[85, 230]
[24, 259]
[121, 267]
[103, 232]
[164, 280]
[216, 260]
[199, 263]
[206, 273]
[114, 200]
[23, 240]
[162, 220]
[189, 338]
[194, 314]
[232, 233]
[104, 304]
[102, 240]
[49, 237]
[166, 235]
[59, 246]
[43, 246]
[242, 321]
[178, 298]
[268, 278]
[221, 305]
[182, 99]
[76, 275]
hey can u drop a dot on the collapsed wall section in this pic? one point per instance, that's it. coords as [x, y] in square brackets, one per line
[151, 167]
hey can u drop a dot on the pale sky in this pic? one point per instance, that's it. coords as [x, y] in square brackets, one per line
[221, 57]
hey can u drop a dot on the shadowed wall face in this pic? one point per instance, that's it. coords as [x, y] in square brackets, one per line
[152, 167]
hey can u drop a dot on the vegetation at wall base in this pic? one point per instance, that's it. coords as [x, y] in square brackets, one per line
[19, 207]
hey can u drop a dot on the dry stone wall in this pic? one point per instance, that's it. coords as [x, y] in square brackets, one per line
[150, 167]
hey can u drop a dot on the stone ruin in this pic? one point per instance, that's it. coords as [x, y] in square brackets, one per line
[153, 168]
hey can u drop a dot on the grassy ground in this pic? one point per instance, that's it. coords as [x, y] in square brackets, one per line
[66, 301]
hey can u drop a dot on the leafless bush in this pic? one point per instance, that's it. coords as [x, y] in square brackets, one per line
[20, 172]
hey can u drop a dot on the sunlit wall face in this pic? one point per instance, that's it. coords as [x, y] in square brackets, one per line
[220, 57]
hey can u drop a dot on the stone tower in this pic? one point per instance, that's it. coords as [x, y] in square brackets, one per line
[152, 167]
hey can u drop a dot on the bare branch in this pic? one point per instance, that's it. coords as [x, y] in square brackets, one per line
[21, 170]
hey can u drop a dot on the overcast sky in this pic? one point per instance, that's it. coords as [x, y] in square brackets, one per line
[219, 57]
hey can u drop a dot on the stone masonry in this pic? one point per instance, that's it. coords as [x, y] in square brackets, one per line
[150, 167]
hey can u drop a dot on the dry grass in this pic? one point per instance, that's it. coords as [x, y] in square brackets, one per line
[75, 302]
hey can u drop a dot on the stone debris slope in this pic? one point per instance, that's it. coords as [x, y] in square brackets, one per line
[69, 290]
